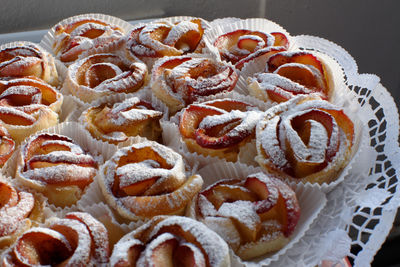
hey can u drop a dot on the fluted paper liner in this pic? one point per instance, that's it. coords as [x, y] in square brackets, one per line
[311, 201]
[48, 39]
[116, 230]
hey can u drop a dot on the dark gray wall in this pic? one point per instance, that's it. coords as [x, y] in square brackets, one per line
[368, 29]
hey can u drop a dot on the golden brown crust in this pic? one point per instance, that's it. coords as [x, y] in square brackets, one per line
[55, 166]
[77, 240]
[105, 74]
[116, 122]
[147, 179]
[171, 241]
[27, 59]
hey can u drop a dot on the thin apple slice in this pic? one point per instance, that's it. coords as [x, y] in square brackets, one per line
[15, 117]
[191, 118]
[138, 188]
[304, 75]
[42, 247]
[266, 52]
[280, 39]
[160, 251]
[221, 193]
[188, 255]
[305, 58]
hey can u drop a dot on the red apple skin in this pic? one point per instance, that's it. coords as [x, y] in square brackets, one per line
[266, 52]
[285, 206]
[306, 58]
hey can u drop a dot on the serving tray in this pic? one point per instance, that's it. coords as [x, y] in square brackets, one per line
[360, 211]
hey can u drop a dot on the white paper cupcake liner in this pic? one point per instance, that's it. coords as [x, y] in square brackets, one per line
[68, 107]
[49, 38]
[311, 201]
[116, 230]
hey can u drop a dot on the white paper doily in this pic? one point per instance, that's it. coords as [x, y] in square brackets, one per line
[360, 211]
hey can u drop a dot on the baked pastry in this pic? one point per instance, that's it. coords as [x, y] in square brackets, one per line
[85, 36]
[180, 81]
[99, 75]
[27, 59]
[292, 73]
[115, 122]
[255, 216]
[171, 241]
[19, 211]
[22, 124]
[77, 240]
[7, 145]
[55, 166]
[241, 46]
[218, 128]
[28, 105]
[306, 139]
[163, 38]
[28, 93]
[147, 179]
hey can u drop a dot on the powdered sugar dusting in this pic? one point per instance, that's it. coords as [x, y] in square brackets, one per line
[13, 214]
[61, 174]
[215, 249]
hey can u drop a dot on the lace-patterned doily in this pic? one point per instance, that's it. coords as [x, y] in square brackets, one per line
[360, 211]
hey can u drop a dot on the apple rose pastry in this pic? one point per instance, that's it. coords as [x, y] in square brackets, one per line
[27, 59]
[292, 73]
[159, 39]
[307, 139]
[84, 36]
[77, 240]
[28, 93]
[241, 46]
[104, 74]
[55, 166]
[114, 123]
[147, 179]
[219, 127]
[179, 81]
[22, 124]
[19, 210]
[7, 145]
[171, 241]
[254, 216]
